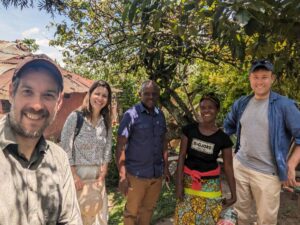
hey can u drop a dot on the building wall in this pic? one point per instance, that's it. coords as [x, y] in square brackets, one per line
[70, 103]
[1, 109]
[4, 106]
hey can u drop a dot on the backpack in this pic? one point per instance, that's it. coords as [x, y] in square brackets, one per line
[79, 123]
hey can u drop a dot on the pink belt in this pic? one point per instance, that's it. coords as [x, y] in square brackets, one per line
[196, 176]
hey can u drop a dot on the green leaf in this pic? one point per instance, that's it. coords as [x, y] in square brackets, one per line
[209, 2]
[193, 30]
[242, 17]
[178, 2]
[157, 20]
[125, 12]
[252, 27]
[132, 11]
[189, 7]
[106, 71]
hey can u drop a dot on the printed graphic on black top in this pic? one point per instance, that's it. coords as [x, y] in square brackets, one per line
[203, 150]
[202, 146]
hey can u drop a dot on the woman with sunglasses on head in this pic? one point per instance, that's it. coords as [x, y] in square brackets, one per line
[198, 187]
[90, 151]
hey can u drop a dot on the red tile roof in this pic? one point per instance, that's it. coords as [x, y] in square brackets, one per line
[11, 53]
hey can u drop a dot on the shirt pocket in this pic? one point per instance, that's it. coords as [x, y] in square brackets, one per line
[144, 131]
[159, 130]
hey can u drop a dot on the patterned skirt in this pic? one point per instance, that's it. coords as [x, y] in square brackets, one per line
[201, 207]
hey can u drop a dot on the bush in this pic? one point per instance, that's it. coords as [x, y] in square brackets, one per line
[112, 177]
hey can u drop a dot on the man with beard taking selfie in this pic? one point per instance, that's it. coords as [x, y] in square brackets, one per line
[36, 182]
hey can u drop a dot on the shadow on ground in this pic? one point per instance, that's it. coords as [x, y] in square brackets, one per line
[165, 206]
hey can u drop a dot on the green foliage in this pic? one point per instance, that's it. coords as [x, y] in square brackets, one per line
[117, 202]
[165, 206]
[51, 6]
[157, 38]
[112, 178]
[227, 82]
[30, 44]
[261, 29]
[171, 42]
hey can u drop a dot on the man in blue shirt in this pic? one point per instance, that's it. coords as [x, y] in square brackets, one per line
[141, 156]
[264, 123]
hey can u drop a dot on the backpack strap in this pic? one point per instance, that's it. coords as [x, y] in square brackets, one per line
[79, 123]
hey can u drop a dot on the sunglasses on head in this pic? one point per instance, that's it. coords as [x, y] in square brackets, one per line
[212, 98]
[261, 61]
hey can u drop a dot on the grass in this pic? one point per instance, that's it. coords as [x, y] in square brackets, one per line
[165, 205]
[117, 203]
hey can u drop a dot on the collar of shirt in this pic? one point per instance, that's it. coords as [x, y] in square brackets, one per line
[8, 141]
[100, 120]
[142, 108]
[273, 97]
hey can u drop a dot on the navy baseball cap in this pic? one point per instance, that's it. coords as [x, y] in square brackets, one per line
[262, 63]
[42, 61]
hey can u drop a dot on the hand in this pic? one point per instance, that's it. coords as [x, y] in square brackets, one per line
[78, 183]
[286, 188]
[179, 191]
[291, 181]
[123, 186]
[99, 182]
[228, 202]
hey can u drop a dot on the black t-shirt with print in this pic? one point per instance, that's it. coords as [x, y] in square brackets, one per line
[202, 150]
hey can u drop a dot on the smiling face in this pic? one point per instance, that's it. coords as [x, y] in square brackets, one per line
[208, 111]
[99, 98]
[34, 104]
[261, 83]
[149, 95]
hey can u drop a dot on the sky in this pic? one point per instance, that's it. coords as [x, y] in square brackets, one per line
[30, 23]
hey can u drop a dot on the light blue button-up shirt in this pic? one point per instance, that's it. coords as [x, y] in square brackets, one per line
[284, 123]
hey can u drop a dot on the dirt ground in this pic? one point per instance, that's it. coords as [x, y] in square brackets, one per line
[289, 211]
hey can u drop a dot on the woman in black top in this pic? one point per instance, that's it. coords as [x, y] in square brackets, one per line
[198, 186]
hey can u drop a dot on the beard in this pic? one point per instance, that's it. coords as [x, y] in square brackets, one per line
[19, 129]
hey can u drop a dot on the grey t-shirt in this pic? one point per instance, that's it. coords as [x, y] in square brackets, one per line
[255, 150]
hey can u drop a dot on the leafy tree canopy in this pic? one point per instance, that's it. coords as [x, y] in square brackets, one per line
[30, 44]
[188, 47]
[51, 6]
